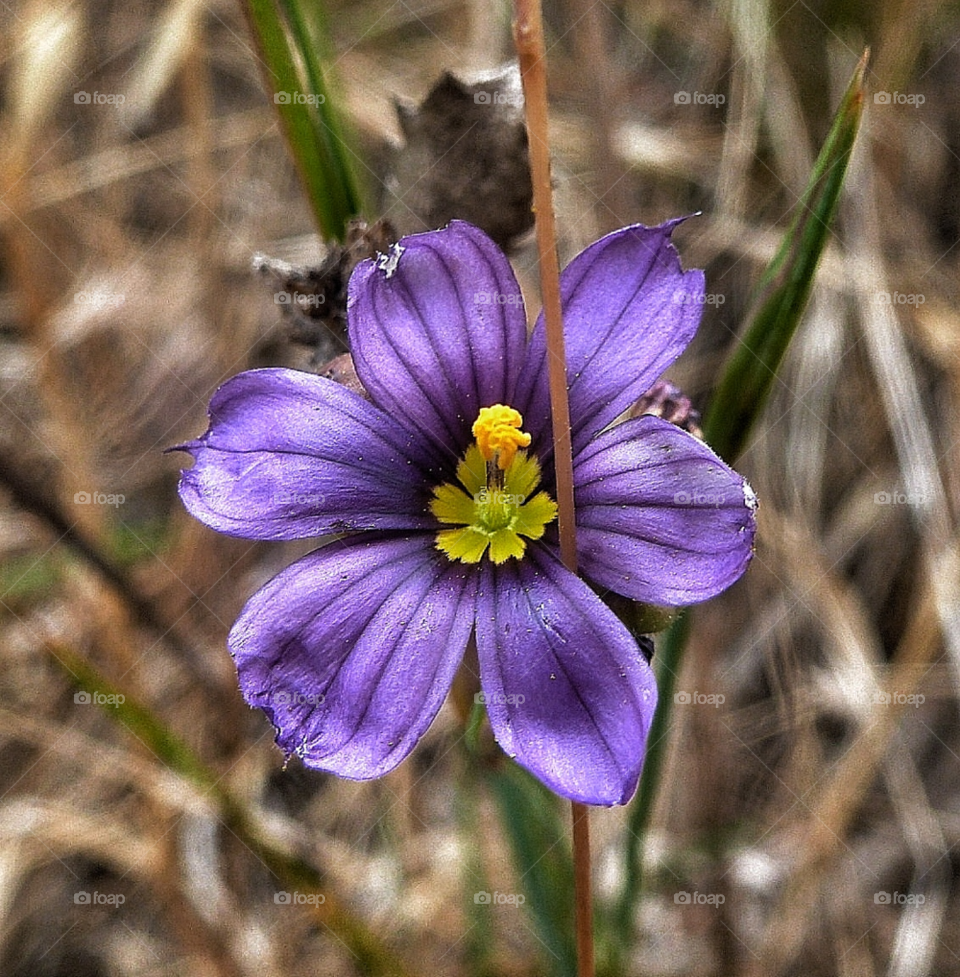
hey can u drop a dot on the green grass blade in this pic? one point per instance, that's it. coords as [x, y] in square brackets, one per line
[667, 666]
[776, 310]
[291, 40]
[538, 840]
[781, 295]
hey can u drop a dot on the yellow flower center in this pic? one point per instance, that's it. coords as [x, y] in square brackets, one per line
[493, 507]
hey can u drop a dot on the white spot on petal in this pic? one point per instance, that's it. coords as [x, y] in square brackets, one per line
[387, 263]
[750, 497]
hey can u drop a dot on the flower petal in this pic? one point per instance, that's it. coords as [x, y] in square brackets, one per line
[628, 312]
[438, 331]
[660, 518]
[568, 692]
[291, 455]
[351, 650]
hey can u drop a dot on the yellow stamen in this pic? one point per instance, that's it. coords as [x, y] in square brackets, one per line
[498, 434]
[492, 522]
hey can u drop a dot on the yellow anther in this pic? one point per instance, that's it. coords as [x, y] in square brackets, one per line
[498, 434]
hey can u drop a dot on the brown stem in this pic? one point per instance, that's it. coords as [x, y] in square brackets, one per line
[528, 36]
[531, 51]
[583, 888]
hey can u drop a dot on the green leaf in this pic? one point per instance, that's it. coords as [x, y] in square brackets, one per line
[782, 292]
[292, 39]
[26, 579]
[538, 841]
[776, 310]
[667, 666]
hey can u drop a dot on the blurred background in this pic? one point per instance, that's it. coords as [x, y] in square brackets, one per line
[809, 816]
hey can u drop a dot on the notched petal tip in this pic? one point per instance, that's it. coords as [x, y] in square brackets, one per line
[290, 455]
[629, 310]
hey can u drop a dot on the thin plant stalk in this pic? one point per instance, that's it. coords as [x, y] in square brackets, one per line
[531, 51]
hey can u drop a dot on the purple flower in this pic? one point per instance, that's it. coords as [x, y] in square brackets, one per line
[439, 491]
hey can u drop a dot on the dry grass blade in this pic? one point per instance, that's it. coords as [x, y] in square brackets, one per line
[174, 37]
[126, 297]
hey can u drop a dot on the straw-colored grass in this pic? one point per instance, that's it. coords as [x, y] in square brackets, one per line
[127, 233]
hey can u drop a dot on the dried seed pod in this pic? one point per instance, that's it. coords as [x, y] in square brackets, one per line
[464, 156]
